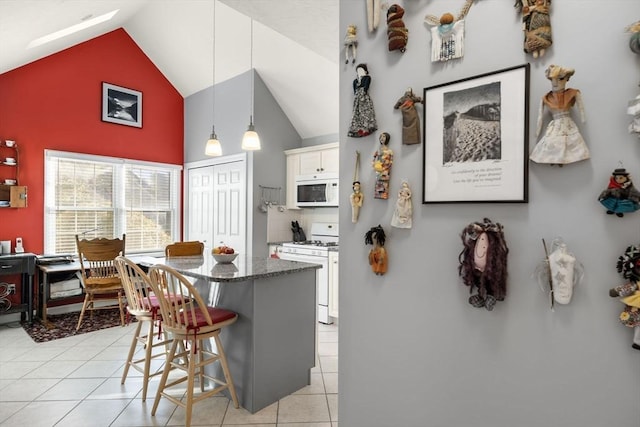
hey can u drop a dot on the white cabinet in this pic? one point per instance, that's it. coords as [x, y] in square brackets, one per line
[334, 267]
[293, 170]
[324, 158]
[319, 161]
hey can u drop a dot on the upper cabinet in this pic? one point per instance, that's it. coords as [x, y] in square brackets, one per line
[319, 161]
[12, 195]
[324, 158]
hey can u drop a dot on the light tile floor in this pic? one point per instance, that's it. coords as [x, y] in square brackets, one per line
[75, 382]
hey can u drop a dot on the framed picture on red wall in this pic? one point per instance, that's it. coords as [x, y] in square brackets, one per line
[121, 105]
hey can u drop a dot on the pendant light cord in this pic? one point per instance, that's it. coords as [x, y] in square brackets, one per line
[213, 73]
[252, 72]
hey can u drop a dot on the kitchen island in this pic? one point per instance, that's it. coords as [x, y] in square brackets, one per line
[271, 347]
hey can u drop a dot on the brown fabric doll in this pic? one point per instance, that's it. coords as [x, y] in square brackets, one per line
[629, 265]
[397, 33]
[410, 118]
[536, 24]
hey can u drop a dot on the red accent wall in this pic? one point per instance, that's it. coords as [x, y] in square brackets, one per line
[55, 103]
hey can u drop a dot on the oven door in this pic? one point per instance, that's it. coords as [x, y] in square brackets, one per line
[322, 280]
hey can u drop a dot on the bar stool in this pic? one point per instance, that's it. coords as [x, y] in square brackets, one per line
[188, 319]
[142, 304]
[184, 249]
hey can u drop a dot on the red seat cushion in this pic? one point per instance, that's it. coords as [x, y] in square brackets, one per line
[217, 315]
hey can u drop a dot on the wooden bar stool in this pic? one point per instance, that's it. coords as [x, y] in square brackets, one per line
[188, 319]
[144, 306]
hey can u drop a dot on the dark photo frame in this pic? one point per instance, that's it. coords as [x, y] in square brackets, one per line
[476, 139]
[121, 105]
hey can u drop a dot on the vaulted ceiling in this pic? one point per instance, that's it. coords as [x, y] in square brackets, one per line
[293, 44]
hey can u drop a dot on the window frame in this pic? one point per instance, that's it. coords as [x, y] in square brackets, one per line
[119, 203]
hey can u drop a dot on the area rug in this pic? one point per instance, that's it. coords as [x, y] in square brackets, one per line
[64, 325]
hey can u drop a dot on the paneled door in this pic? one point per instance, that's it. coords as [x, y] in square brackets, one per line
[217, 205]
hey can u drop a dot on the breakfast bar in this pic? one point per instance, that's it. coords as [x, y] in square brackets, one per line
[271, 347]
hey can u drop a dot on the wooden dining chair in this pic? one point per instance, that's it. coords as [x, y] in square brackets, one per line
[184, 249]
[100, 278]
[189, 320]
[145, 307]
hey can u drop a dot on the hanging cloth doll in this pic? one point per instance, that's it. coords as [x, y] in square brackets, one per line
[560, 271]
[620, 196]
[357, 197]
[634, 110]
[562, 143]
[447, 34]
[483, 263]
[363, 119]
[397, 33]
[351, 44]
[402, 216]
[410, 119]
[378, 255]
[536, 24]
[629, 265]
[634, 40]
[382, 161]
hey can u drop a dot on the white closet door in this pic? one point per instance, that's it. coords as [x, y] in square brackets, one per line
[229, 201]
[217, 205]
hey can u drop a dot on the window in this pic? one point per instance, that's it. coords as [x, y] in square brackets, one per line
[96, 196]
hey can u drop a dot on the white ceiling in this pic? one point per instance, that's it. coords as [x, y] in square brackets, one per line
[295, 44]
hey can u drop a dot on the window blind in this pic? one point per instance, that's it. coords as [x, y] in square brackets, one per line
[96, 196]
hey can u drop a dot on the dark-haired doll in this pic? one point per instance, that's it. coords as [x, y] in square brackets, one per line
[363, 118]
[483, 263]
[629, 265]
[378, 255]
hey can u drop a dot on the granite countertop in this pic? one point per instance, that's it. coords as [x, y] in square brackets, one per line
[241, 269]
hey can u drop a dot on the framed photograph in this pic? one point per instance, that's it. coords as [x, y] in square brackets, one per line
[121, 105]
[476, 138]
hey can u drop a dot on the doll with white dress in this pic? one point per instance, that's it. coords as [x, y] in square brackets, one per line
[562, 142]
[402, 216]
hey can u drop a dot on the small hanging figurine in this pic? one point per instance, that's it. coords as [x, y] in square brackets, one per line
[447, 34]
[620, 196]
[536, 24]
[562, 143]
[363, 119]
[634, 40]
[351, 44]
[373, 14]
[634, 110]
[378, 255]
[397, 33]
[402, 216]
[382, 161]
[629, 265]
[357, 197]
[560, 271]
[410, 118]
[483, 263]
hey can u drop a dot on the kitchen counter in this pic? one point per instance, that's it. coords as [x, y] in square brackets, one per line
[271, 348]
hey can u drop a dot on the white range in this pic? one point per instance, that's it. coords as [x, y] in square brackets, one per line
[323, 237]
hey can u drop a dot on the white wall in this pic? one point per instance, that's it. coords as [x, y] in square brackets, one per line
[413, 352]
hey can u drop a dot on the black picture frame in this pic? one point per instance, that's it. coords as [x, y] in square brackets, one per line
[476, 139]
[121, 105]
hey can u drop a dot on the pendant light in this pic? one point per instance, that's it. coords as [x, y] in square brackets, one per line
[251, 140]
[213, 147]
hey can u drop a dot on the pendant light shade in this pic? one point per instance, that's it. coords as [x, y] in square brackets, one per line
[250, 139]
[213, 147]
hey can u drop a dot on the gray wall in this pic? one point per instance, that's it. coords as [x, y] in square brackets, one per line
[413, 352]
[266, 167]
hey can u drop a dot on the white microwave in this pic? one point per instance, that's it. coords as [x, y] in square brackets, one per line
[319, 190]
